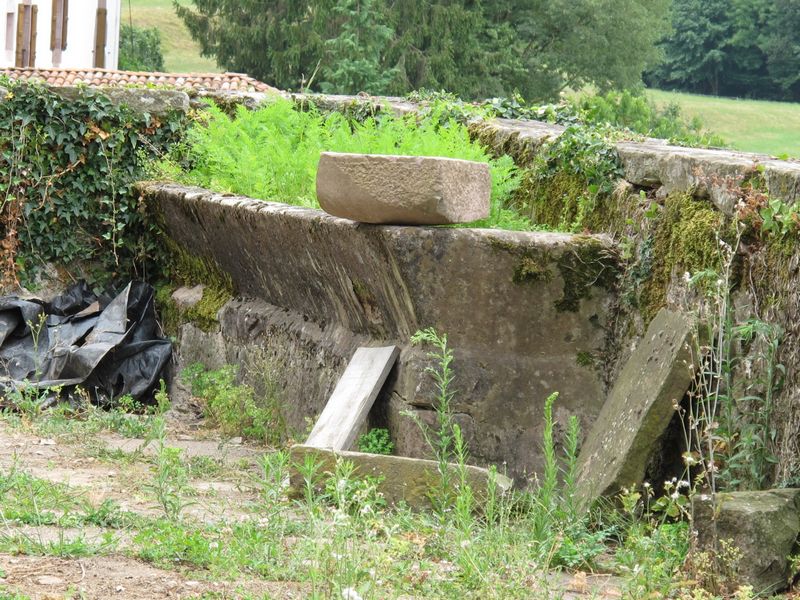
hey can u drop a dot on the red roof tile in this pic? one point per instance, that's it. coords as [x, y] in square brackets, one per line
[96, 77]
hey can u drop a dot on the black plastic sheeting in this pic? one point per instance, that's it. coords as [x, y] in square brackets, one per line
[109, 346]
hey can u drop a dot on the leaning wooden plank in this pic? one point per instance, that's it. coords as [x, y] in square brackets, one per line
[354, 395]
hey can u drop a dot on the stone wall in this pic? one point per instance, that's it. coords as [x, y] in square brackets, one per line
[388, 308]
[527, 314]
[365, 286]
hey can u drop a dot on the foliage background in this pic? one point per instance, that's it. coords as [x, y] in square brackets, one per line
[140, 49]
[67, 168]
[471, 48]
[747, 48]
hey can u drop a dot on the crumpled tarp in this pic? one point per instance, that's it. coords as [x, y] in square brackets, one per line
[109, 346]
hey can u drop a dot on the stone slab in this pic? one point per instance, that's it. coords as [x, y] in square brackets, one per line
[639, 409]
[764, 527]
[404, 479]
[403, 190]
[157, 102]
[354, 395]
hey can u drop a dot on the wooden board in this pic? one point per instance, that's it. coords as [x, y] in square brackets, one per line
[354, 395]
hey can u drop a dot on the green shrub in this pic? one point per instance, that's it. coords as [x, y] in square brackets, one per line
[235, 408]
[633, 110]
[66, 178]
[272, 153]
[140, 49]
[629, 111]
[376, 441]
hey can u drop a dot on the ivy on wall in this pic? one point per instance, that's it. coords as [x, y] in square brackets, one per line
[67, 169]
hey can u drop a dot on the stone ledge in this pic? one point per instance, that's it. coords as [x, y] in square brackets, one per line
[157, 102]
[402, 479]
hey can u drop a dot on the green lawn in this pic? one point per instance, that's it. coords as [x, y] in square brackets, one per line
[181, 52]
[751, 125]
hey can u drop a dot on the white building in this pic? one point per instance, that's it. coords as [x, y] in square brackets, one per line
[67, 34]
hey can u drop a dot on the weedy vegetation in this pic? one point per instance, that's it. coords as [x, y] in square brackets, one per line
[341, 539]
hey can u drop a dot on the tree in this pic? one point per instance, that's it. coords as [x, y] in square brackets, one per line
[696, 54]
[734, 48]
[355, 64]
[473, 48]
[278, 41]
[571, 43]
[782, 47]
[441, 45]
[140, 49]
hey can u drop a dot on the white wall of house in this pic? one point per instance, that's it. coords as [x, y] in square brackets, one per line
[81, 34]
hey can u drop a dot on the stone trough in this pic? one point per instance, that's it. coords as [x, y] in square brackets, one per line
[403, 190]
[526, 314]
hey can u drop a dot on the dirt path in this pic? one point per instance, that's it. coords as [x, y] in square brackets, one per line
[118, 576]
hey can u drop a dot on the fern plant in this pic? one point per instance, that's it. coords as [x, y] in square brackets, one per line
[272, 153]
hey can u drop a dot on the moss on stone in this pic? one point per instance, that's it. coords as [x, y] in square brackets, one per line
[550, 201]
[362, 292]
[500, 244]
[585, 359]
[532, 268]
[187, 269]
[772, 274]
[565, 202]
[533, 264]
[203, 314]
[686, 239]
[523, 151]
[589, 263]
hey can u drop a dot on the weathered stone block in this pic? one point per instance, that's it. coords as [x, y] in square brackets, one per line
[639, 409]
[403, 190]
[187, 297]
[762, 525]
[404, 479]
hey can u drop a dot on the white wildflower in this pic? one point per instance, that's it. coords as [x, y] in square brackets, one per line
[350, 594]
